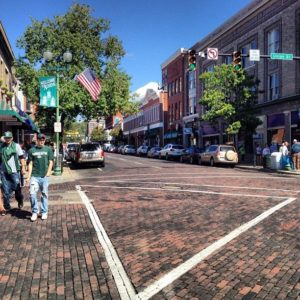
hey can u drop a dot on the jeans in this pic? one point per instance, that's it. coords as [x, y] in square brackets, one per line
[36, 184]
[10, 183]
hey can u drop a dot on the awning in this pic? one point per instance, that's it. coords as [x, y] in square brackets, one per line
[9, 114]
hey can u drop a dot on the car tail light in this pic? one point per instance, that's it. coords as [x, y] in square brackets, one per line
[101, 152]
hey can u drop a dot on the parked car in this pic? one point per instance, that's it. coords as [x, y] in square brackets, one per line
[129, 149]
[153, 152]
[171, 151]
[191, 154]
[70, 151]
[120, 149]
[89, 153]
[219, 154]
[142, 150]
[113, 149]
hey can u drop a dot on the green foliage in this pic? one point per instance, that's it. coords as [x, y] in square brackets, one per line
[230, 95]
[91, 45]
[98, 134]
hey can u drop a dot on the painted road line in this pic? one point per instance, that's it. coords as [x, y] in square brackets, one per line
[180, 190]
[176, 273]
[122, 281]
[198, 185]
[99, 169]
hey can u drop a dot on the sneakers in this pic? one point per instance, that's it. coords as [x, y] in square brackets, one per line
[34, 217]
[44, 216]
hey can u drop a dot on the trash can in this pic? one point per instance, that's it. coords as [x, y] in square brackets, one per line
[268, 161]
[276, 158]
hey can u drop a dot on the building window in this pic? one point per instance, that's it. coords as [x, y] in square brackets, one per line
[273, 86]
[180, 84]
[273, 41]
[246, 63]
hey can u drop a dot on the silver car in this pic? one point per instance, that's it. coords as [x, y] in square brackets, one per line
[89, 153]
[129, 149]
[171, 151]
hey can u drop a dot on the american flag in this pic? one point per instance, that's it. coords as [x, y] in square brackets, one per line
[92, 84]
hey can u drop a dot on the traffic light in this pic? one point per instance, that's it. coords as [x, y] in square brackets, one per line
[237, 60]
[192, 60]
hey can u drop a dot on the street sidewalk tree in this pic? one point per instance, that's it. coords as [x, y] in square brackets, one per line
[98, 134]
[230, 96]
[91, 45]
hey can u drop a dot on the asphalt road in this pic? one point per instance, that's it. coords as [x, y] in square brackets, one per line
[181, 231]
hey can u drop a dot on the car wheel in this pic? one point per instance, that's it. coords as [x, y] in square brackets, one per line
[191, 160]
[199, 161]
[103, 165]
[212, 163]
[167, 156]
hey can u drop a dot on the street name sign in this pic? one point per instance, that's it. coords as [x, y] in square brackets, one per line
[48, 91]
[254, 55]
[282, 56]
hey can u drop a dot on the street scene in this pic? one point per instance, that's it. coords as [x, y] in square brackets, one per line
[156, 229]
[149, 149]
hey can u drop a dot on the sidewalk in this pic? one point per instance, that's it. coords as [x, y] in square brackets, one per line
[250, 166]
[58, 258]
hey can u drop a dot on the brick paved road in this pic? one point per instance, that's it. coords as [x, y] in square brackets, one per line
[160, 214]
[179, 232]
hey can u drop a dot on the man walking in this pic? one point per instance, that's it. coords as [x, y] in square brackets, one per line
[296, 154]
[12, 162]
[40, 165]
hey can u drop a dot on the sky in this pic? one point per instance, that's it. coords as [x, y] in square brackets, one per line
[150, 30]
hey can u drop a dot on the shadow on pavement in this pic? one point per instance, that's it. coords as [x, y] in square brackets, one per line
[20, 214]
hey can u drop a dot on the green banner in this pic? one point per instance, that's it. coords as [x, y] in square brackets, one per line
[48, 91]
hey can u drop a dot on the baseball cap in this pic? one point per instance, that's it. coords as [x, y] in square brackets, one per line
[41, 136]
[7, 134]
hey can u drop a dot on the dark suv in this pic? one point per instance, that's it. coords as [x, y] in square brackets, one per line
[89, 153]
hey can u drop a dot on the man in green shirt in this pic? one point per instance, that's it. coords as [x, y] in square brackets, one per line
[39, 169]
[12, 163]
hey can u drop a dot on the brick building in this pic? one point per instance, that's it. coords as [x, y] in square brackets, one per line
[272, 26]
[147, 127]
[173, 81]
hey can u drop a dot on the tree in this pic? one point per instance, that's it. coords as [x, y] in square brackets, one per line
[231, 96]
[91, 45]
[98, 134]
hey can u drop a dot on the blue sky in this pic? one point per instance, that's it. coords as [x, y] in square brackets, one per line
[150, 30]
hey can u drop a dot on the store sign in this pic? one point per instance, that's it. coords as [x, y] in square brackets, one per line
[48, 91]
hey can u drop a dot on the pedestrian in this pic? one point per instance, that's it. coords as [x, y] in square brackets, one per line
[295, 151]
[258, 151]
[265, 154]
[39, 169]
[12, 163]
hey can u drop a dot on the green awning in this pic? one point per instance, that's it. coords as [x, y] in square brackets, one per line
[7, 112]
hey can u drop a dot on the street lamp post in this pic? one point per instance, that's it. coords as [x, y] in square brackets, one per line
[67, 58]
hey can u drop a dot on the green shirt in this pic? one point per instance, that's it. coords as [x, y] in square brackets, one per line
[40, 158]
